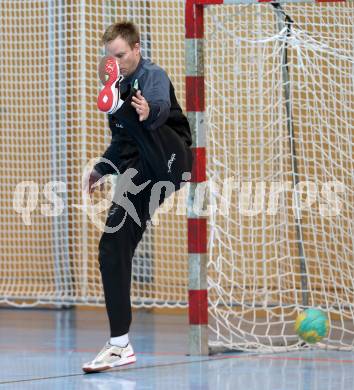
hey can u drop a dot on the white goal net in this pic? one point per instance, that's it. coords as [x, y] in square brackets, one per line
[280, 111]
[50, 128]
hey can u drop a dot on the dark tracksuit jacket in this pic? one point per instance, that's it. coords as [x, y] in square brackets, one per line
[159, 149]
[165, 112]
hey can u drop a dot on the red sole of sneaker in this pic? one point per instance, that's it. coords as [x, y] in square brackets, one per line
[108, 67]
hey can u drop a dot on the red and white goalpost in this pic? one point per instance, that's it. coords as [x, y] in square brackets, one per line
[269, 95]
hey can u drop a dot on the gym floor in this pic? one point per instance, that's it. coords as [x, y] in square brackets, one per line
[45, 348]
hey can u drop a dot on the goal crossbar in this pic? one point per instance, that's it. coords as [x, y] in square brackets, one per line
[230, 2]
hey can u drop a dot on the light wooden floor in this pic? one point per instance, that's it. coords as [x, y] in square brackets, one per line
[44, 349]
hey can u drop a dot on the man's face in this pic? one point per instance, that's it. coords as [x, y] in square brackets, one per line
[128, 58]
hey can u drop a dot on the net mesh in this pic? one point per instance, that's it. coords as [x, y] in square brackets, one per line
[50, 129]
[280, 137]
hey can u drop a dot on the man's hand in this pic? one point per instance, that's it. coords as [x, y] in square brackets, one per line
[141, 106]
[94, 180]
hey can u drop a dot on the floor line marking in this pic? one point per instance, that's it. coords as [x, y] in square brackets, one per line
[206, 359]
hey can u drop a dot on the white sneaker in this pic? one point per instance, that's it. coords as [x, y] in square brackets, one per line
[111, 356]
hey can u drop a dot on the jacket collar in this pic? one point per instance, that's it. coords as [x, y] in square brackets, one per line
[136, 73]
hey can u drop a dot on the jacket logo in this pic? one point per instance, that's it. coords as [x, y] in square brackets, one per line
[170, 161]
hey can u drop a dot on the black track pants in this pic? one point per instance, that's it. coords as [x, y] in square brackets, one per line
[164, 156]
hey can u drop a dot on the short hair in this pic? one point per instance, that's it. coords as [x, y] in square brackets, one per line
[125, 30]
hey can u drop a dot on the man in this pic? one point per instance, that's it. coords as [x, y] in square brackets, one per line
[150, 143]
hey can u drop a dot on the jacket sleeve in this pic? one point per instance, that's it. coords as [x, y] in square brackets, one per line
[156, 91]
[111, 154]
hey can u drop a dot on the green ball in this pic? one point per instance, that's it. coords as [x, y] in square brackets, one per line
[312, 325]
